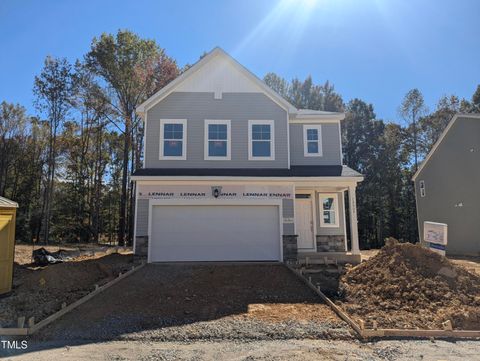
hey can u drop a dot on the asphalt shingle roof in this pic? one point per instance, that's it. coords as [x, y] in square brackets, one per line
[294, 171]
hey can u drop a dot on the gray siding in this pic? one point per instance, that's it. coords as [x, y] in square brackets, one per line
[452, 176]
[142, 218]
[330, 145]
[196, 107]
[288, 212]
[331, 231]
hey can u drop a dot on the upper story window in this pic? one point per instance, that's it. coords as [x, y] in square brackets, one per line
[173, 139]
[328, 210]
[217, 140]
[312, 141]
[261, 142]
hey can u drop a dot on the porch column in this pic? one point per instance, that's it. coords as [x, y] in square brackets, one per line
[352, 201]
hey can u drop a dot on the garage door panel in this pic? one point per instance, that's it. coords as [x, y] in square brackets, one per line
[215, 233]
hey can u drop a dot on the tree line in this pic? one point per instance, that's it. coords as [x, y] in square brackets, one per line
[386, 153]
[68, 165]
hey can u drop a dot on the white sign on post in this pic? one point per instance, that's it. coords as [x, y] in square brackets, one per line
[435, 236]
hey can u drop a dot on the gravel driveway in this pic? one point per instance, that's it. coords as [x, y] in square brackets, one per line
[202, 302]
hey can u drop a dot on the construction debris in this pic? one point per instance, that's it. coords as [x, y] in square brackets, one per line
[408, 286]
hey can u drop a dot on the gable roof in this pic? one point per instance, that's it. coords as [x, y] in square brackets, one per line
[294, 113]
[440, 139]
[7, 203]
[170, 87]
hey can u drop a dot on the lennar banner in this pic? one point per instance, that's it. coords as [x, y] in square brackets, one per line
[214, 191]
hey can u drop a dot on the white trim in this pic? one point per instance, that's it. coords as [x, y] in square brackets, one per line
[207, 122]
[288, 143]
[145, 142]
[318, 128]
[184, 139]
[135, 220]
[440, 139]
[310, 180]
[314, 217]
[340, 142]
[271, 123]
[215, 202]
[321, 197]
[344, 220]
[327, 120]
[169, 88]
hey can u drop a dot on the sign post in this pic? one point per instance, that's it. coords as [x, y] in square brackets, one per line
[435, 236]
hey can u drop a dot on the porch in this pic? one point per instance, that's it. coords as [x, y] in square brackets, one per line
[324, 233]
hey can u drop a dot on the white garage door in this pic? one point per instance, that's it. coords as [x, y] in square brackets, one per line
[215, 233]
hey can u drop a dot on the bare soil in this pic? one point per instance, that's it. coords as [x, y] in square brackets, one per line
[202, 302]
[409, 286]
[40, 291]
[470, 263]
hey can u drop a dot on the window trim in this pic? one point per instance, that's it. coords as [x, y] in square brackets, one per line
[321, 197]
[306, 127]
[162, 139]
[207, 122]
[271, 123]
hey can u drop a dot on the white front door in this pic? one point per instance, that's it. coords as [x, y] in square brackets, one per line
[304, 223]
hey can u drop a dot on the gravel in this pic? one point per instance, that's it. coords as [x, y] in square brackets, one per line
[202, 302]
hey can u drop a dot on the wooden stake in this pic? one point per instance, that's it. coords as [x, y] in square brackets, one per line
[361, 324]
[31, 321]
[21, 322]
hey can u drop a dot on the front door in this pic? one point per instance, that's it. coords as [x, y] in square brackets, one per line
[304, 222]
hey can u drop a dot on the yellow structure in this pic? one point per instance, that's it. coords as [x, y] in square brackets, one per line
[8, 210]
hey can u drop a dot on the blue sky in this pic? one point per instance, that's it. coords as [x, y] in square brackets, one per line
[375, 50]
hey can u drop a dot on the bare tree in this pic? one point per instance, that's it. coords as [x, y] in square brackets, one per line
[53, 90]
[412, 108]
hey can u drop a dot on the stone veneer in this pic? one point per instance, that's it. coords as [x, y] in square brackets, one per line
[290, 247]
[141, 246]
[331, 243]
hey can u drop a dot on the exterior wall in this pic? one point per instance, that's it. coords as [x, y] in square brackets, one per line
[452, 176]
[331, 231]
[142, 217]
[330, 145]
[196, 107]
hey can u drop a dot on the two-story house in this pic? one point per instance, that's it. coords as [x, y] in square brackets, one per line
[234, 172]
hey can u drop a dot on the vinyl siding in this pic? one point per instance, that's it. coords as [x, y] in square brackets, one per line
[330, 146]
[288, 212]
[196, 107]
[452, 176]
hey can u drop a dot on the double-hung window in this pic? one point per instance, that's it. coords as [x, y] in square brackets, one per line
[173, 139]
[217, 139]
[261, 140]
[328, 210]
[312, 141]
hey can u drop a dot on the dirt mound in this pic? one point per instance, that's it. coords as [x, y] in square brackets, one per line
[408, 286]
[40, 292]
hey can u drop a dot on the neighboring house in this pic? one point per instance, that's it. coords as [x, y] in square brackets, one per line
[447, 185]
[233, 172]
